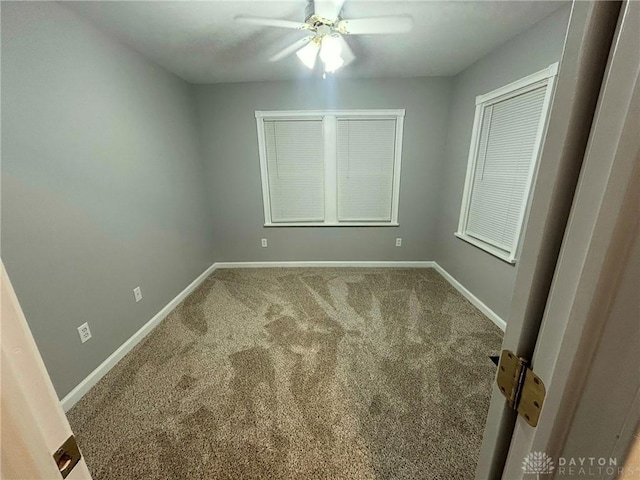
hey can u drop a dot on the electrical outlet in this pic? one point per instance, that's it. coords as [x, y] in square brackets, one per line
[398, 242]
[84, 332]
[137, 294]
[263, 242]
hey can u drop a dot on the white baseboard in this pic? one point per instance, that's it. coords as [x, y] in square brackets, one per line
[356, 264]
[479, 304]
[85, 385]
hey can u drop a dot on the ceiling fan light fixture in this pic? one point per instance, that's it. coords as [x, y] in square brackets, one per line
[308, 54]
[330, 54]
[331, 48]
[333, 64]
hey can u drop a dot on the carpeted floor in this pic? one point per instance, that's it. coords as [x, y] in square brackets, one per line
[299, 374]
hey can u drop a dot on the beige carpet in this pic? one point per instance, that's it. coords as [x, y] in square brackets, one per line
[299, 374]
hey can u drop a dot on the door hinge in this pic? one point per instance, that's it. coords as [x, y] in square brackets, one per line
[67, 456]
[523, 389]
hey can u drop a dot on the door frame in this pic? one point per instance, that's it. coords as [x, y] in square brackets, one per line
[33, 422]
[602, 225]
[587, 46]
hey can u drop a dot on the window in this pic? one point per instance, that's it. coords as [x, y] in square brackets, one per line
[330, 168]
[505, 142]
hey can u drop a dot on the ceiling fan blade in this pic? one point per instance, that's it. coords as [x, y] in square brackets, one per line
[329, 9]
[364, 26]
[295, 46]
[345, 51]
[270, 22]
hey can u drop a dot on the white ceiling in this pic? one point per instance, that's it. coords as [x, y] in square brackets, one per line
[200, 42]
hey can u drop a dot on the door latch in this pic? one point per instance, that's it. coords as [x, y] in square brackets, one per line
[67, 456]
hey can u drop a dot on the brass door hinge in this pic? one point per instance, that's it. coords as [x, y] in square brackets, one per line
[523, 389]
[67, 456]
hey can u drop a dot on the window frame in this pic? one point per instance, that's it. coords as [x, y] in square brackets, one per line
[329, 125]
[546, 76]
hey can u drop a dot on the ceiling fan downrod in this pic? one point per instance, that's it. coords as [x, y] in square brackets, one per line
[315, 20]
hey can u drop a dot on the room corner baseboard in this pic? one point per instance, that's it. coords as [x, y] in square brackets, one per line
[479, 304]
[85, 385]
[355, 264]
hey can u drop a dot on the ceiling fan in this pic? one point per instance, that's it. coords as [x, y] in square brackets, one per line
[325, 30]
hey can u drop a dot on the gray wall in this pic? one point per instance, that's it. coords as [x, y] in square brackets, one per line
[101, 185]
[487, 277]
[228, 132]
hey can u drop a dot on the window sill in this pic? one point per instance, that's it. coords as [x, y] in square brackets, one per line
[496, 252]
[337, 224]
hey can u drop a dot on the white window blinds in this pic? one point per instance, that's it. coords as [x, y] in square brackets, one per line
[505, 158]
[295, 164]
[330, 167]
[365, 160]
[506, 139]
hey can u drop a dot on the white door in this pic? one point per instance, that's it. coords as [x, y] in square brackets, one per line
[596, 269]
[574, 351]
[33, 423]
